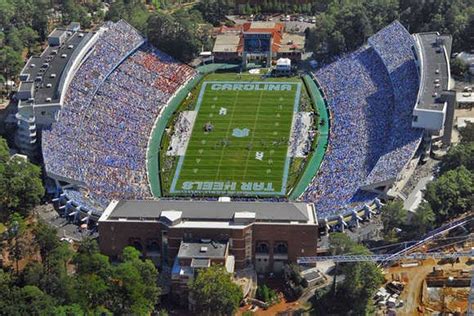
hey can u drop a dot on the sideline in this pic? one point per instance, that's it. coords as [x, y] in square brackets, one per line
[312, 166]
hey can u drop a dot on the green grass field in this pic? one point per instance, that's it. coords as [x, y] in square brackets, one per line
[245, 152]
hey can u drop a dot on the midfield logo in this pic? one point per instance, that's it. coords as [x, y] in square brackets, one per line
[237, 132]
[259, 155]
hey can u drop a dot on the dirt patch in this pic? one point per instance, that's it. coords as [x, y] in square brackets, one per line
[414, 277]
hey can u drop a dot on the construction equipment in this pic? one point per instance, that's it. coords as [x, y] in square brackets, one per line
[385, 257]
[397, 257]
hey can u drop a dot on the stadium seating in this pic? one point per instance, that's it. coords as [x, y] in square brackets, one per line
[394, 45]
[370, 95]
[101, 137]
[79, 199]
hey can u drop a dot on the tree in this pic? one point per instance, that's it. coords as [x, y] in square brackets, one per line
[178, 36]
[56, 281]
[459, 155]
[353, 23]
[89, 260]
[29, 37]
[39, 21]
[360, 282]
[18, 246]
[451, 194]
[134, 11]
[423, 219]
[467, 133]
[46, 238]
[10, 62]
[73, 11]
[93, 272]
[4, 153]
[14, 40]
[214, 11]
[33, 301]
[7, 11]
[340, 244]
[214, 292]
[74, 309]
[394, 216]
[20, 184]
[458, 68]
[134, 287]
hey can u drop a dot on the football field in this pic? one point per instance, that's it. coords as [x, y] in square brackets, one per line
[239, 141]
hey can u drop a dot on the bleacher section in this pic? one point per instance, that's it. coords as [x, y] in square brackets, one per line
[102, 133]
[370, 94]
[395, 46]
[100, 140]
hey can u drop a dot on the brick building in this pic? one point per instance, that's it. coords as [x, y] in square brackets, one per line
[263, 234]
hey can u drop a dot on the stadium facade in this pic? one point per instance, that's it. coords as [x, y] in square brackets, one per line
[159, 228]
[257, 42]
[94, 99]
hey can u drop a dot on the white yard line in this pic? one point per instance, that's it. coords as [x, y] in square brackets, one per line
[253, 132]
[227, 132]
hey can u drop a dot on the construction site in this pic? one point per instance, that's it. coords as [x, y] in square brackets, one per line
[428, 286]
[430, 276]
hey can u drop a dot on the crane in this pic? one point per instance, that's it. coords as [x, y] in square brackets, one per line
[385, 257]
[396, 257]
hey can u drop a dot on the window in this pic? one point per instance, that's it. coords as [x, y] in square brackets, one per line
[136, 243]
[262, 247]
[281, 247]
[153, 246]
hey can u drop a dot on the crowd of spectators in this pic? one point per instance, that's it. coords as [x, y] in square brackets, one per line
[102, 134]
[395, 46]
[101, 137]
[370, 94]
[81, 199]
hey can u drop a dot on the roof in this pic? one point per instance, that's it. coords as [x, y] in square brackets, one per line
[200, 263]
[171, 215]
[465, 97]
[229, 39]
[466, 57]
[434, 60]
[57, 33]
[202, 250]
[227, 43]
[291, 42]
[74, 26]
[52, 56]
[263, 25]
[26, 86]
[210, 210]
[284, 62]
[276, 29]
[461, 122]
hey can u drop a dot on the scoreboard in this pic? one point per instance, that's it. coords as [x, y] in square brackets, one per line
[257, 42]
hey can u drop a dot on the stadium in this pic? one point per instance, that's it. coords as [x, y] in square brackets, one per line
[128, 122]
